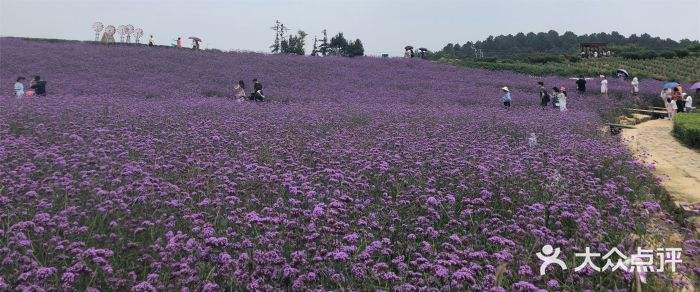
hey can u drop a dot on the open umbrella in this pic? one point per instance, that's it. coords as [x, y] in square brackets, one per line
[623, 73]
[408, 48]
[423, 49]
[669, 85]
[695, 86]
[195, 39]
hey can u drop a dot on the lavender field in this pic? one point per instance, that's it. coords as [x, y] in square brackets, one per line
[137, 173]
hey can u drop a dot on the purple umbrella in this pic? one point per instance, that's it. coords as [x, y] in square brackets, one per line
[695, 86]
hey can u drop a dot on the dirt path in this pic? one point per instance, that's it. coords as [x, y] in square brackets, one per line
[652, 141]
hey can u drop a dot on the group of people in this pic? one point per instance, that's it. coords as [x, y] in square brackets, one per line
[36, 87]
[596, 53]
[581, 85]
[239, 92]
[676, 101]
[557, 97]
[178, 42]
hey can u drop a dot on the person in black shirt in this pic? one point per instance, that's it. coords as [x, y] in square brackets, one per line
[257, 94]
[581, 84]
[39, 86]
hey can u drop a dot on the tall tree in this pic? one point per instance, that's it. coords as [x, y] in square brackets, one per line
[338, 45]
[356, 49]
[324, 43]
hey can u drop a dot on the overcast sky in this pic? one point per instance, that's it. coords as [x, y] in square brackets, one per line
[383, 25]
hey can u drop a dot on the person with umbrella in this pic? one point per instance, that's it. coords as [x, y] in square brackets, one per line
[408, 52]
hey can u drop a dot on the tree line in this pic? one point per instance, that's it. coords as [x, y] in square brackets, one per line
[338, 45]
[551, 42]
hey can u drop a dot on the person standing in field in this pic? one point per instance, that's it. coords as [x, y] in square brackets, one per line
[635, 86]
[19, 87]
[581, 84]
[151, 41]
[604, 85]
[257, 94]
[561, 96]
[544, 95]
[179, 42]
[506, 99]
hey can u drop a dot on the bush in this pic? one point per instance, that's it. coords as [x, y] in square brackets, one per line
[682, 53]
[686, 127]
[668, 55]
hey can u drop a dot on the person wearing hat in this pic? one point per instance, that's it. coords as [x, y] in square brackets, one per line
[506, 99]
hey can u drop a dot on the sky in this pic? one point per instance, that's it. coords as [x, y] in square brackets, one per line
[384, 26]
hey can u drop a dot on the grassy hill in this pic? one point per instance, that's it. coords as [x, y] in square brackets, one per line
[685, 70]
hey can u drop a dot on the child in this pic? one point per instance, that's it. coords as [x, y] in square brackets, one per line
[562, 99]
[19, 87]
[506, 99]
[671, 107]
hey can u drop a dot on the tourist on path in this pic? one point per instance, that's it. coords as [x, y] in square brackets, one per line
[688, 103]
[581, 84]
[671, 107]
[678, 98]
[19, 87]
[506, 99]
[239, 91]
[544, 95]
[635, 86]
[604, 85]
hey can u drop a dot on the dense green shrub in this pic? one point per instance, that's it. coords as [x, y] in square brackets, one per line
[668, 55]
[682, 53]
[686, 127]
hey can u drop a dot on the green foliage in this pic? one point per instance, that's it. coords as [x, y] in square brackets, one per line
[551, 42]
[294, 44]
[356, 49]
[681, 69]
[686, 127]
[338, 45]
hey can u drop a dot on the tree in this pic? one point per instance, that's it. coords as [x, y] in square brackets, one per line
[338, 45]
[355, 49]
[324, 44]
[314, 51]
[294, 44]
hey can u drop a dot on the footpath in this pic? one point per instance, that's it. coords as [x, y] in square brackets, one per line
[678, 165]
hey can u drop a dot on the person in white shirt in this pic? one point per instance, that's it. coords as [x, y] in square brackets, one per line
[604, 86]
[19, 87]
[562, 99]
[688, 103]
[635, 86]
[671, 107]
